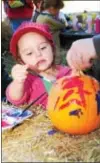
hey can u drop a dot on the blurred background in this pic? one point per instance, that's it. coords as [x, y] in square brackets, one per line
[80, 6]
[74, 7]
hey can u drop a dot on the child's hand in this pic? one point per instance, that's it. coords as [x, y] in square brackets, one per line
[19, 72]
[81, 53]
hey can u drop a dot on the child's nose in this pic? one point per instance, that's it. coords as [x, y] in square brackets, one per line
[38, 53]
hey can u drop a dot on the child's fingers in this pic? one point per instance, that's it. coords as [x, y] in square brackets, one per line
[22, 77]
[20, 69]
[19, 73]
[26, 66]
[22, 72]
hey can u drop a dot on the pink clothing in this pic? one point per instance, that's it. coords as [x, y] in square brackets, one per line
[34, 87]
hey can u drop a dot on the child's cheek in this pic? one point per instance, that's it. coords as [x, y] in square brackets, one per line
[32, 67]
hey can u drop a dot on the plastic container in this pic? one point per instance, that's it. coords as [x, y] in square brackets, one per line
[97, 24]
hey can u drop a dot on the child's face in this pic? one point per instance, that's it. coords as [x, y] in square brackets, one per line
[53, 11]
[35, 50]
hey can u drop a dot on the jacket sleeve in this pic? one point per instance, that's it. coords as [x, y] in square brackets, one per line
[54, 24]
[96, 41]
[23, 100]
[26, 95]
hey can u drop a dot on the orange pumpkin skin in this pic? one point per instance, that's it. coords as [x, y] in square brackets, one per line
[72, 105]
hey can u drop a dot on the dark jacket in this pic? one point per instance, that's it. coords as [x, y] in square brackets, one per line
[5, 80]
[96, 40]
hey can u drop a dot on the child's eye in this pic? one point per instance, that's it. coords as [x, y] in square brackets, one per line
[29, 53]
[42, 48]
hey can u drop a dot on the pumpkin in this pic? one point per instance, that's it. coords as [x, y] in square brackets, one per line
[74, 104]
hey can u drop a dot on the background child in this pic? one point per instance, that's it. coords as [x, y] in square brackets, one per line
[48, 16]
[33, 48]
[61, 17]
[19, 14]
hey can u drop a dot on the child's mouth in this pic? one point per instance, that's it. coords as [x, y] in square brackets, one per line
[41, 62]
[37, 65]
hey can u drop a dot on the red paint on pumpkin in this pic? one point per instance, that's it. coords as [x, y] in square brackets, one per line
[69, 102]
[57, 102]
[79, 84]
[68, 94]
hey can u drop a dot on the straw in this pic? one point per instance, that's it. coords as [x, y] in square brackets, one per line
[33, 102]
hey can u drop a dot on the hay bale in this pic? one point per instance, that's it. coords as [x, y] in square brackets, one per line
[33, 141]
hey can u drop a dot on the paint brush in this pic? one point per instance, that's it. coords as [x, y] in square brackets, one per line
[33, 102]
[34, 73]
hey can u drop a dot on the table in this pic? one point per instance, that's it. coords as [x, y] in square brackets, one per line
[69, 36]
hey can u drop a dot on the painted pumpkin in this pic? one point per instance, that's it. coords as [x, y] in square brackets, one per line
[74, 104]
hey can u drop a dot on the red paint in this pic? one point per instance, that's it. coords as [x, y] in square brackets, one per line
[56, 102]
[74, 82]
[68, 80]
[69, 103]
[70, 92]
[3, 124]
[88, 93]
[93, 84]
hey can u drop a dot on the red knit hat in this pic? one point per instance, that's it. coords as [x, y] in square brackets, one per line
[29, 27]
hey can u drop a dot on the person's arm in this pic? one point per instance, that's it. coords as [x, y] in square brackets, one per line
[20, 93]
[56, 25]
[17, 91]
[96, 41]
[81, 53]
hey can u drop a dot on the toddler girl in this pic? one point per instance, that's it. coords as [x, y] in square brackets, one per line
[32, 46]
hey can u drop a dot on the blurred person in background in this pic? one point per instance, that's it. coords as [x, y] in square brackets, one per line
[18, 11]
[51, 9]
